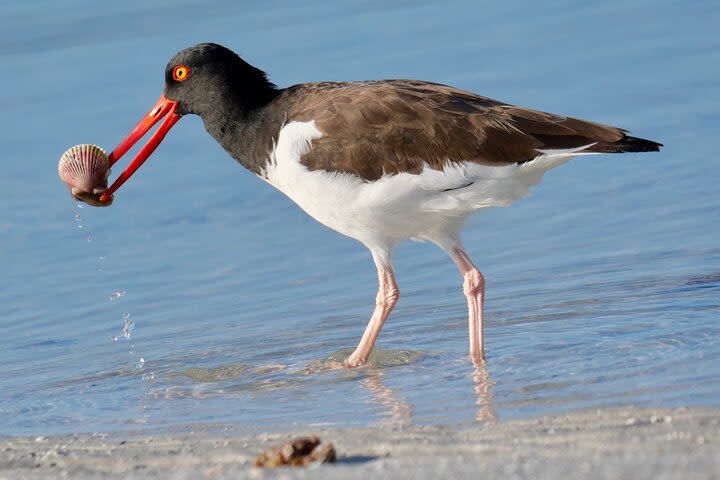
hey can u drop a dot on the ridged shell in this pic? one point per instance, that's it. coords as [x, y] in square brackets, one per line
[85, 167]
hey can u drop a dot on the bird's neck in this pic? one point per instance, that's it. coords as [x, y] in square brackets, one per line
[246, 131]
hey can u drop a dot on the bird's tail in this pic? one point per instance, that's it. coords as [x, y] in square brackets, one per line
[625, 144]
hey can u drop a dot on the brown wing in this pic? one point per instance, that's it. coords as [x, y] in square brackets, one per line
[389, 126]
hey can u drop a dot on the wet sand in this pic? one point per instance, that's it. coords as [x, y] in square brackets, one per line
[632, 443]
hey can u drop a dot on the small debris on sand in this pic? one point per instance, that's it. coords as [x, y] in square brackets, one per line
[298, 452]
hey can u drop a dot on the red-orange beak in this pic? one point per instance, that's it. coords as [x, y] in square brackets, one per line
[162, 107]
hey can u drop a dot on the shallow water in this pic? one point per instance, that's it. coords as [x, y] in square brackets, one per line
[603, 287]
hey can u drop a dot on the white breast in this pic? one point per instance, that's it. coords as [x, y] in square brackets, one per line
[431, 205]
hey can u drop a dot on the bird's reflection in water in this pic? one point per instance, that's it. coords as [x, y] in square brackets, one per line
[398, 411]
[483, 391]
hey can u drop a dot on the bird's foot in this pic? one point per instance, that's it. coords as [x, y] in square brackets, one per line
[354, 361]
[478, 359]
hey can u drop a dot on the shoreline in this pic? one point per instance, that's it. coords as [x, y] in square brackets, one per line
[624, 442]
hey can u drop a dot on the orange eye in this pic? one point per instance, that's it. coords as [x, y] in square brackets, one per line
[181, 73]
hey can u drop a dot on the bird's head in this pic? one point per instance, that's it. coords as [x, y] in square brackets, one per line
[205, 79]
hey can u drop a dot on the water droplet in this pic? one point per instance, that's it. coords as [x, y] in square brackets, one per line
[79, 226]
[78, 218]
[90, 239]
[117, 294]
[129, 325]
[149, 379]
[140, 363]
[115, 338]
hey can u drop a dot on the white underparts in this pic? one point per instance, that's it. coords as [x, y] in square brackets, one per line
[431, 205]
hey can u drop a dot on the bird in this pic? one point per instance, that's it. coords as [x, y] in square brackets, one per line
[380, 161]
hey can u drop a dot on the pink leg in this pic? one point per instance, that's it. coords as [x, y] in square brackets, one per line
[387, 297]
[474, 289]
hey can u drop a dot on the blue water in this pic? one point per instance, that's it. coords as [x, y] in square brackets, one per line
[603, 288]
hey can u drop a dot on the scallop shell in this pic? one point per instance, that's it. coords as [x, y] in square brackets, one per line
[85, 168]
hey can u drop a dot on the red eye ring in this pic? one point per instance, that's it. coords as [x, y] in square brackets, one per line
[181, 73]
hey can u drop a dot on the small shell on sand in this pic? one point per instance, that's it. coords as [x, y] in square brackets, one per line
[85, 170]
[298, 452]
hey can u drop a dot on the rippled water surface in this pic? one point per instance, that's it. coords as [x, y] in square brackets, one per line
[204, 296]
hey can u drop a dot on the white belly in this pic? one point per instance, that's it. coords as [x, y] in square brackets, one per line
[398, 207]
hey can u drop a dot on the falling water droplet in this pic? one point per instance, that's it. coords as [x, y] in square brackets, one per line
[149, 379]
[140, 363]
[129, 325]
[117, 294]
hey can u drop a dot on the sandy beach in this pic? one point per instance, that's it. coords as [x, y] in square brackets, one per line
[613, 443]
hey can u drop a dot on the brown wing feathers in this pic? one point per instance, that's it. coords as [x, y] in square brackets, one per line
[386, 127]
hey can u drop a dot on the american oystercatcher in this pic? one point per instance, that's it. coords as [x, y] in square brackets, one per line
[379, 161]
